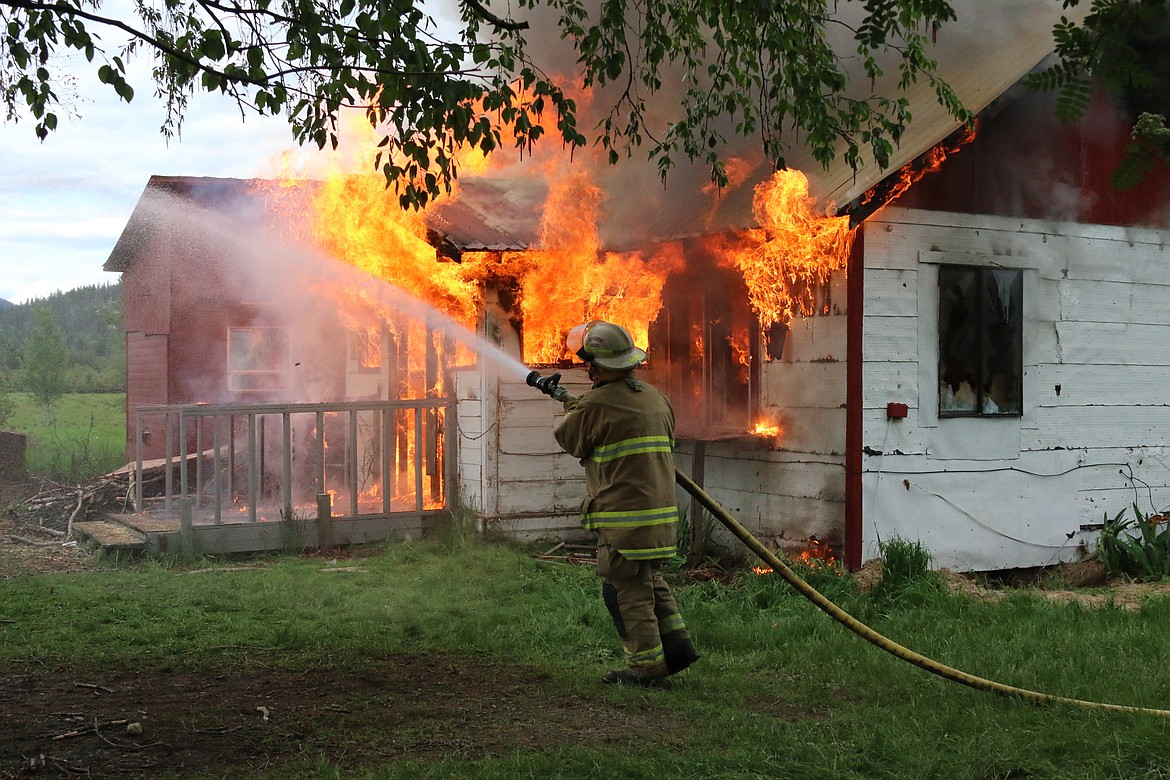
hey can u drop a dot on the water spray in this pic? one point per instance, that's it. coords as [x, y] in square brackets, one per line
[550, 386]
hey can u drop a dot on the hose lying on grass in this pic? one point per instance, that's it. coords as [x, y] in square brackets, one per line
[550, 386]
[873, 637]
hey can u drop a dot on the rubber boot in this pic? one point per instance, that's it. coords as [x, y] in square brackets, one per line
[679, 650]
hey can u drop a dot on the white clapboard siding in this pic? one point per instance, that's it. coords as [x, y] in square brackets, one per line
[1099, 426]
[1101, 384]
[1114, 302]
[885, 435]
[535, 496]
[1113, 342]
[890, 338]
[803, 385]
[779, 493]
[994, 494]
[809, 429]
[894, 289]
[816, 339]
[888, 381]
[798, 478]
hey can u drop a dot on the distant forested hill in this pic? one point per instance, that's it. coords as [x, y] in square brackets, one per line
[90, 319]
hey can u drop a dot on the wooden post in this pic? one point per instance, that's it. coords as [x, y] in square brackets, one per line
[139, 446]
[253, 469]
[287, 493]
[186, 526]
[697, 467]
[431, 429]
[324, 515]
[216, 486]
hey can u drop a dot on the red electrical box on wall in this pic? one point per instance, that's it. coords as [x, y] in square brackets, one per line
[897, 411]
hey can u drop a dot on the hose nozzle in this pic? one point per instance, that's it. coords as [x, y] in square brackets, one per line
[549, 385]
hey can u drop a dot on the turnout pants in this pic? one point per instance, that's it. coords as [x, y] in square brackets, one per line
[645, 614]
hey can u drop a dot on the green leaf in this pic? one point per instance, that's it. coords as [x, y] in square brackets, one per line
[211, 45]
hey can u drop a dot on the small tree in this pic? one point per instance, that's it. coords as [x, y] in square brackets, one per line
[45, 359]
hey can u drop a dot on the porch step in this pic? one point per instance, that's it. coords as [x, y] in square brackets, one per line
[112, 537]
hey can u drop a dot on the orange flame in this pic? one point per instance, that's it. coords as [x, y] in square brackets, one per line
[818, 556]
[767, 428]
[570, 280]
[908, 174]
[794, 251]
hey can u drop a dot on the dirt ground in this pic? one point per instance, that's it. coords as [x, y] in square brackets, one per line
[132, 723]
[138, 723]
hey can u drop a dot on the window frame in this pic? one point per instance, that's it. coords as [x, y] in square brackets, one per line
[980, 361]
[270, 377]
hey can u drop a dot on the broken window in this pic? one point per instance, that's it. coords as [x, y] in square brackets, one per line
[980, 341]
[257, 358]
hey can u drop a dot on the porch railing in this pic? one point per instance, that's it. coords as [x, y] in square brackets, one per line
[238, 462]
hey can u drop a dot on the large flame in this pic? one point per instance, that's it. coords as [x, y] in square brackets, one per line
[357, 220]
[792, 253]
[570, 280]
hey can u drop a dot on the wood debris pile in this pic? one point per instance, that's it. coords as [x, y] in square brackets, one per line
[50, 508]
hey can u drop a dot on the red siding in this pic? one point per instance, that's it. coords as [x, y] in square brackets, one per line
[146, 384]
[1025, 163]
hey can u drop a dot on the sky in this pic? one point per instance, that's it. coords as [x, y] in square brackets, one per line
[64, 202]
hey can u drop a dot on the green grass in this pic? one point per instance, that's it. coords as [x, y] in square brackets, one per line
[84, 435]
[782, 690]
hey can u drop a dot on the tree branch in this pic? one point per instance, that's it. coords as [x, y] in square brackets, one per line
[500, 24]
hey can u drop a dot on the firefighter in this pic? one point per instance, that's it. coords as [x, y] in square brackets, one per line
[623, 431]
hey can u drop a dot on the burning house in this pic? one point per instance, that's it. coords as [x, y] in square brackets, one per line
[970, 358]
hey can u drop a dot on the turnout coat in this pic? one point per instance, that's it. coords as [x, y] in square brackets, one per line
[623, 433]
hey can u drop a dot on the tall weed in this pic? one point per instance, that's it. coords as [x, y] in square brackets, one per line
[907, 576]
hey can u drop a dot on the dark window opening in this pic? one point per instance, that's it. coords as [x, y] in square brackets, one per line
[980, 342]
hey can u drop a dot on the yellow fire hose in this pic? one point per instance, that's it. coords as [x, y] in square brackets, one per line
[873, 637]
[550, 386]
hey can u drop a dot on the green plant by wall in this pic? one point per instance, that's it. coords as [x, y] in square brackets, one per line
[906, 573]
[1138, 547]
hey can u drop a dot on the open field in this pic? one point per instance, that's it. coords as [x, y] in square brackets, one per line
[473, 659]
[83, 436]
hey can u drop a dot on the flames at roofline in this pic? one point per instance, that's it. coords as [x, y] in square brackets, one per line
[708, 309]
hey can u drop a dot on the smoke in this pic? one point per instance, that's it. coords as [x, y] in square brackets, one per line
[991, 43]
[237, 257]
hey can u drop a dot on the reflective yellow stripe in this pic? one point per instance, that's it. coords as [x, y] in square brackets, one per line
[630, 518]
[648, 553]
[636, 446]
[651, 657]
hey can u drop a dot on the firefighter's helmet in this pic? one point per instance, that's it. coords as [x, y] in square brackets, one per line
[606, 345]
